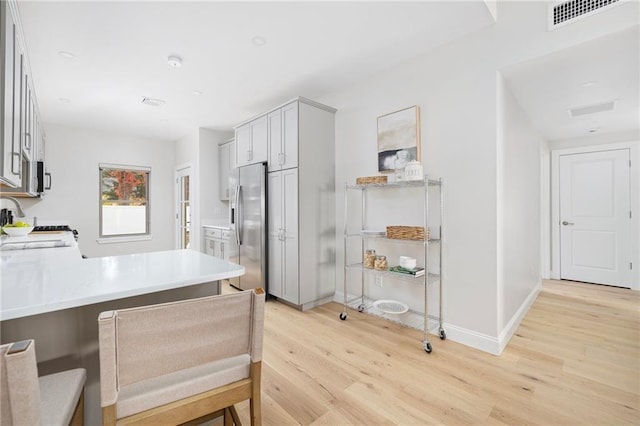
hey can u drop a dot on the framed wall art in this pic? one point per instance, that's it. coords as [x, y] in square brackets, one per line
[398, 138]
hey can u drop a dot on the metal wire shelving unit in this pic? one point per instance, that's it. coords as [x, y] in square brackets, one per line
[429, 278]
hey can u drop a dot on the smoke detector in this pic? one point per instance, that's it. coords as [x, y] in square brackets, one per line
[174, 61]
[145, 100]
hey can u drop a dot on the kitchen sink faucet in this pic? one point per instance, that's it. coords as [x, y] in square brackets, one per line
[20, 212]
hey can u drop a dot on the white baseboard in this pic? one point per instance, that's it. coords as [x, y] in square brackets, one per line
[484, 342]
[513, 324]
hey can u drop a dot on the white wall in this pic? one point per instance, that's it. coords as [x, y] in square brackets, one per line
[200, 150]
[519, 212]
[73, 155]
[456, 88]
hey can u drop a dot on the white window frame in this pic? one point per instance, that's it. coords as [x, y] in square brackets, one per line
[118, 238]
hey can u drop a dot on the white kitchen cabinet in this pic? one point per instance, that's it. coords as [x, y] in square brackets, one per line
[251, 142]
[283, 235]
[283, 137]
[226, 163]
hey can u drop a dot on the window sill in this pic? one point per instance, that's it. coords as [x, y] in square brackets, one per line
[110, 240]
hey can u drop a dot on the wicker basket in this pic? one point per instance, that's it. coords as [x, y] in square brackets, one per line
[371, 180]
[408, 233]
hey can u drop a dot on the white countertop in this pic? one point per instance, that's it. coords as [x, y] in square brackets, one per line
[49, 279]
[217, 224]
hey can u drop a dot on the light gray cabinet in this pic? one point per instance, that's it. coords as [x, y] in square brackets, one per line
[226, 163]
[284, 277]
[217, 242]
[283, 137]
[301, 204]
[11, 57]
[251, 142]
[22, 145]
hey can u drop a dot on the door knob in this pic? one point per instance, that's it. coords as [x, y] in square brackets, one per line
[565, 223]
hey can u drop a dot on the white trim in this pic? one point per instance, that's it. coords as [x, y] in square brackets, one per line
[509, 330]
[415, 320]
[633, 147]
[176, 207]
[124, 167]
[122, 239]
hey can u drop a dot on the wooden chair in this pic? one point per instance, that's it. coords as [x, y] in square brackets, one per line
[183, 361]
[26, 399]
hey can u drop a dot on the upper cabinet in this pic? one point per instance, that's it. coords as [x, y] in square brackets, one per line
[226, 163]
[283, 137]
[251, 142]
[22, 146]
[10, 166]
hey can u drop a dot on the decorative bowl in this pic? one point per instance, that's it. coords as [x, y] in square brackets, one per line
[407, 262]
[17, 231]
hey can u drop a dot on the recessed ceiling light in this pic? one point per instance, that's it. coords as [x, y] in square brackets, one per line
[67, 55]
[259, 41]
[588, 84]
[196, 92]
[174, 61]
[64, 100]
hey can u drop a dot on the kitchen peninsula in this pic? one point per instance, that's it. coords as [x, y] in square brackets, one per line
[54, 296]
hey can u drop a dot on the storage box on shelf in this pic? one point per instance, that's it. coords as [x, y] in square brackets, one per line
[412, 235]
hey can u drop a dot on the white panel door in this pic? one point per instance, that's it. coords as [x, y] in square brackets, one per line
[595, 223]
[289, 156]
[243, 145]
[291, 287]
[275, 233]
[274, 120]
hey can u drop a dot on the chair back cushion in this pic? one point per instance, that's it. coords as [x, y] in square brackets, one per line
[19, 392]
[152, 341]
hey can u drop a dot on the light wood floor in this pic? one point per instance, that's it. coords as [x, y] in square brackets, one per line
[575, 359]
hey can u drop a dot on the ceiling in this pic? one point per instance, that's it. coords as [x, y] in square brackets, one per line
[601, 70]
[120, 52]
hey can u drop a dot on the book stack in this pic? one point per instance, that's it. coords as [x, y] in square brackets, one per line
[416, 272]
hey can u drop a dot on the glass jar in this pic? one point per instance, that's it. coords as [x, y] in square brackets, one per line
[369, 259]
[380, 263]
[402, 157]
[413, 171]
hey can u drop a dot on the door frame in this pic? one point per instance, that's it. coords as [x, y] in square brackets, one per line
[634, 187]
[194, 238]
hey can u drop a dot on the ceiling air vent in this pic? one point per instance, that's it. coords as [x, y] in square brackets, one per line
[566, 12]
[592, 109]
[151, 101]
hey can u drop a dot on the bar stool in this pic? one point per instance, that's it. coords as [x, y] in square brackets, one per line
[26, 399]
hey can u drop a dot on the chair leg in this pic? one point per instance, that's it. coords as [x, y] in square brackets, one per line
[234, 415]
[78, 413]
[228, 419]
[255, 404]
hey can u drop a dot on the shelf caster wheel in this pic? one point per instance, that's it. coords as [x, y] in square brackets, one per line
[427, 347]
[343, 316]
[361, 308]
[443, 335]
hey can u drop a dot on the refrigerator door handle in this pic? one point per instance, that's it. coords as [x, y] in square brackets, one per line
[240, 214]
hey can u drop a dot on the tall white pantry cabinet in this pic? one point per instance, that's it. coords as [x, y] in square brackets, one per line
[300, 206]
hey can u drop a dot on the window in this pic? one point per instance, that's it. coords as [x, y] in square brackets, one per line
[124, 201]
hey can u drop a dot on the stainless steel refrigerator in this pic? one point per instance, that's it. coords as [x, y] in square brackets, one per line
[248, 218]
